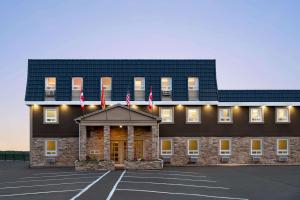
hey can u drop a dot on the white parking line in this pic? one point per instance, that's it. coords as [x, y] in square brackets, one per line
[88, 187]
[184, 194]
[54, 179]
[182, 179]
[172, 171]
[58, 173]
[52, 184]
[178, 184]
[115, 186]
[168, 174]
[32, 177]
[34, 193]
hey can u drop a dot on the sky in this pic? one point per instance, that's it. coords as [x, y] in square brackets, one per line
[255, 43]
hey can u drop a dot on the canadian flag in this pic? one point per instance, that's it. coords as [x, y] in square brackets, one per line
[150, 107]
[81, 99]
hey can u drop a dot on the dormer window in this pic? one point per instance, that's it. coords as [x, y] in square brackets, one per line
[50, 87]
[225, 115]
[50, 83]
[166, 88]
[139, 88]
[256, 115]
[282, 115]
[193, 88]
[106, 85]
[77, 84]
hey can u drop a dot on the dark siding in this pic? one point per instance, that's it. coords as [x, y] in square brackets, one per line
[122, 73]
[209, 126]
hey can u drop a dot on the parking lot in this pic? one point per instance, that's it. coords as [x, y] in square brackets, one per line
[248, 182]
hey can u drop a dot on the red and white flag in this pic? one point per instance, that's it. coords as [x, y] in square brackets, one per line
[150, 107]
[128, 98]
[102, 98]
[81, 99]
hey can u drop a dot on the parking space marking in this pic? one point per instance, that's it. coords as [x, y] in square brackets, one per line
[168, 174]
[183, 172]
[182, 179]
[35, 193]
[183, 194]
[178, 184]
[61, 175]
[90, 185]
[52, 184]
[54, 179]
[115, 186]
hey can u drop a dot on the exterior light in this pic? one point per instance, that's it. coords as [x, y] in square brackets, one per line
[134, 106]
[207, 105]
[236, 107]
[263, 107]
[120, 126]
[92, 106]
[179, 106]
[35, 106]
[290, 107]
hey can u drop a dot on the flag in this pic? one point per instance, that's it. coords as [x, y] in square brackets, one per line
[81, 99]
[150, 107]
[102, 98]
[128, 98]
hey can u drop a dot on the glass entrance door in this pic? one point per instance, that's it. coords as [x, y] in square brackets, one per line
[118, 151]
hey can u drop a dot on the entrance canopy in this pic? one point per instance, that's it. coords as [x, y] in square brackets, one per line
[118, 115]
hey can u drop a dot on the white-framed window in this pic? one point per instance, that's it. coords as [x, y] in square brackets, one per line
[193, 115]
[51, 148]
[50, 83]
[282, 147]
[139, 83]
[77, 83]
[256, 147]
[51, 115]
[225, 115]
[193, 147]
[256, 115]
[193, 83]
[166, 84]
[282, 115]
[166, 114]
[225, 147]
[166, 146]
[106, 83]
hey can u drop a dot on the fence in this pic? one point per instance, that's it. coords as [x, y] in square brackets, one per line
[14, 155]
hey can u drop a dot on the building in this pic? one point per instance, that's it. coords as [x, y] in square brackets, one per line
[192, 122]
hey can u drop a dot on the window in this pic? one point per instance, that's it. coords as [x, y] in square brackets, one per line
[282, 115]
[77, 83]
[193, 115]
[166, 84]
[50, 115]
[256, 115]
[166, 147]
[106, 83]
[139, 83]
[225, 115]
[166, 115]
[50, 83]
[256, 147]
[225, 147]
[193, 83]
[193, 147]
[282, 147]
[51, 148]
[139, 88]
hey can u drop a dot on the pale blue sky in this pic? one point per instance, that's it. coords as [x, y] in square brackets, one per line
[255, 43]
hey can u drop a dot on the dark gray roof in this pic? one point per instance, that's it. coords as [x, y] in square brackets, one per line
[122, 73]
[259, 95]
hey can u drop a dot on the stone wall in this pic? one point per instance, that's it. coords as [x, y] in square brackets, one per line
[67, 152]
[94, 165]
[146, 164]
[95, 145]
[142, 133]
[240, 151]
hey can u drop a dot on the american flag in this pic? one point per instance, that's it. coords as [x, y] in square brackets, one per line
[128, 98]
[81, 99]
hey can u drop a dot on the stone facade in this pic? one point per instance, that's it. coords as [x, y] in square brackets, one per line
[151, 164]
[95, 144]
[67, 152]
[240, 151]
[94, 165]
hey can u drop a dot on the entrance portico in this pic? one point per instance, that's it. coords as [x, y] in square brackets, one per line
[118, 134]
